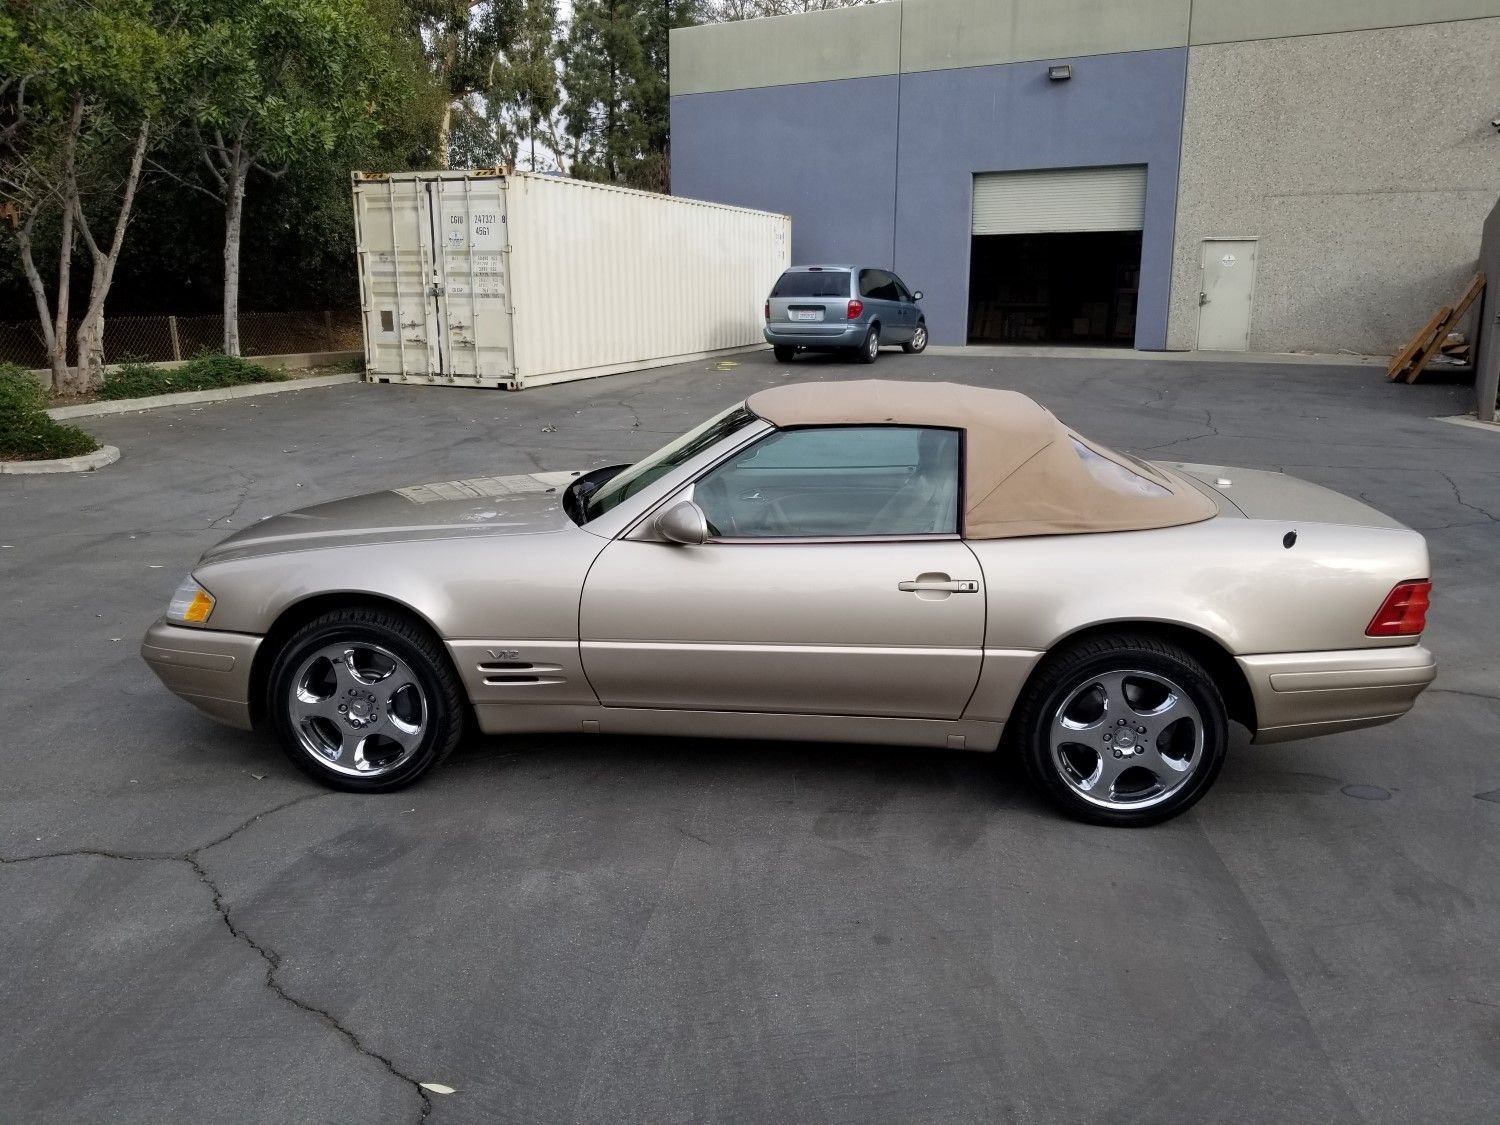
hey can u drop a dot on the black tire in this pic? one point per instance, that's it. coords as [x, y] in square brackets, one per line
[443, 708]
[918, 343]
[783, 355]
[1065, 676]
[869, 350]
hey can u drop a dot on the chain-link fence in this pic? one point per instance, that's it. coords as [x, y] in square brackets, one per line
[160, 338]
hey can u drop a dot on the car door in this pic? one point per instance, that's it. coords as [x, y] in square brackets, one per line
[833, 583]
[896, 315]
[908, 306]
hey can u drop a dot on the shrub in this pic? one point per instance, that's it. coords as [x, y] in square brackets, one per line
[26, 432]
[135, 379]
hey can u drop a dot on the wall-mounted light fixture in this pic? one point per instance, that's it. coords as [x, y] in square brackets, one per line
[1060, 73]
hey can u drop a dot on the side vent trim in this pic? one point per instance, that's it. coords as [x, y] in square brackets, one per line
[510, 673]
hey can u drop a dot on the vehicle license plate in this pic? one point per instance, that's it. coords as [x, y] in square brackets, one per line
[807, 314]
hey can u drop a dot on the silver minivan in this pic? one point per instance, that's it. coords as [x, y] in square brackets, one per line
[838, 308]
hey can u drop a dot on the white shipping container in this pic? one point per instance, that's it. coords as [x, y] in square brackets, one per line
[489, 279]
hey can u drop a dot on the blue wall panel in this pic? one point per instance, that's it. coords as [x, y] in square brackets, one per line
[1116, 109]
[864, 183]
[823, 153]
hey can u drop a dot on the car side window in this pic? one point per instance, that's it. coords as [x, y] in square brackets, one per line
[869, 281]
[883, 286]
[836, 481]
[902, 291]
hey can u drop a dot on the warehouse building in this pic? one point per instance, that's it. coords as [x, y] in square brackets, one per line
[1282, 175]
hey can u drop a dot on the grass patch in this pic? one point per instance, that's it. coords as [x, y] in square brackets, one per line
[206, 370]
[26, 432]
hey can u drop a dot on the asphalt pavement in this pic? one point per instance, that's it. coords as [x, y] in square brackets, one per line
[608, 930]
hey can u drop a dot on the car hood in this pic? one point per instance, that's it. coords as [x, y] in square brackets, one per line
[529, 504]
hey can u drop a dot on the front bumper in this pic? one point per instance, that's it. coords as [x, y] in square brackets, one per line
[815, 335]
[210, 670]
[1299, 694]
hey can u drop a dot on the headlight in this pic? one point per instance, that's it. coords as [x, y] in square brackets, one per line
[191, 604]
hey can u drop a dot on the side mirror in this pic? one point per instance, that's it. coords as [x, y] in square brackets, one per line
[683, 524]
[917, 296]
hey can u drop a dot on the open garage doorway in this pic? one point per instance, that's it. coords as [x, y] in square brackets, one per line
[1055, 256]
[1074, 288]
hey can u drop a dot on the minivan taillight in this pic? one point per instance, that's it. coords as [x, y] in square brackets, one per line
[768, 310]
[856, 309]
[1404, 612]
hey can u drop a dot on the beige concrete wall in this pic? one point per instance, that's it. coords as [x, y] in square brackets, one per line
[1232, 21]
[921, 35]
[816, 47]
[1365, 164]
[946, 34]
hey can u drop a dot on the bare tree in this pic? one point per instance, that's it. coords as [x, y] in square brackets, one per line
[78, 83]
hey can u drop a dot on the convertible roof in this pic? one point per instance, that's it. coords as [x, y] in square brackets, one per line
[1025, 472]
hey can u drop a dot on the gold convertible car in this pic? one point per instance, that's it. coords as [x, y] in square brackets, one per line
[922, 564]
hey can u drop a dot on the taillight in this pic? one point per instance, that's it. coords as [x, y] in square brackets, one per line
[768, 310]
[1404, 612]
[856, 309]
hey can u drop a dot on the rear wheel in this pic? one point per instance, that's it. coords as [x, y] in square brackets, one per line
[783, 354]
[365, 700]
[869, 351]
[1122, 730]
[918, 342]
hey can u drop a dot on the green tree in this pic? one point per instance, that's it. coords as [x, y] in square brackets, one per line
[80, 86]
[615, 78]
[277, 84]
[464, 41]
[524, 99]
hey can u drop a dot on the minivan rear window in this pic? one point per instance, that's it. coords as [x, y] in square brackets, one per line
[824, 283]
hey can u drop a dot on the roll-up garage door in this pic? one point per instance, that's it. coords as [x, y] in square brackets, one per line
[1060, 199]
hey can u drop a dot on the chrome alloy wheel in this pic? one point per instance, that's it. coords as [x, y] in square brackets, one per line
[1127, 739]
[919, 338]
[357, 708]
[872, 344]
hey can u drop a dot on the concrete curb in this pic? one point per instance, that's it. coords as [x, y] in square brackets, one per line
[1024, 351]
[1472, 422]
[188, 398]
[104, 455]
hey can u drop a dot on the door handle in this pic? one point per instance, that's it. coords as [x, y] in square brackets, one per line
[939, 586]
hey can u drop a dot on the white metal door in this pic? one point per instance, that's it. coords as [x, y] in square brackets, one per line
[1226, 294]
[1060, 199]
[473, 299]
[394, 230]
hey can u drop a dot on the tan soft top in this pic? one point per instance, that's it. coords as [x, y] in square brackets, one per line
[1024, 474]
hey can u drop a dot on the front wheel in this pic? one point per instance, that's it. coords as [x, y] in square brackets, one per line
[1122, 730]
[869, 351]
[783, 355]
[365, 700]
[918, 342]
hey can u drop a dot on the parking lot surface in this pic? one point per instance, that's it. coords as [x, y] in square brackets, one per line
[609, 930]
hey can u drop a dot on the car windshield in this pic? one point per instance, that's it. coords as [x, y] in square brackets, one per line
[823, 283]
[651, 469]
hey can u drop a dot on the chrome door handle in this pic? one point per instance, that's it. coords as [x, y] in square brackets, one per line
[951, 586]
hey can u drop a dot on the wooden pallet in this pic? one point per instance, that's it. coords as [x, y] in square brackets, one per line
[1420, 349]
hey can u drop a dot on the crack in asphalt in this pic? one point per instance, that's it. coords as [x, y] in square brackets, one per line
[268, 955]
[1458, 496]
[1470, 694]
[1212, 431]
[248, 484]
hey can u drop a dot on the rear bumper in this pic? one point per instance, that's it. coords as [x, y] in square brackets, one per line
[787, 335]
[210, 670]
[1299, 694]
